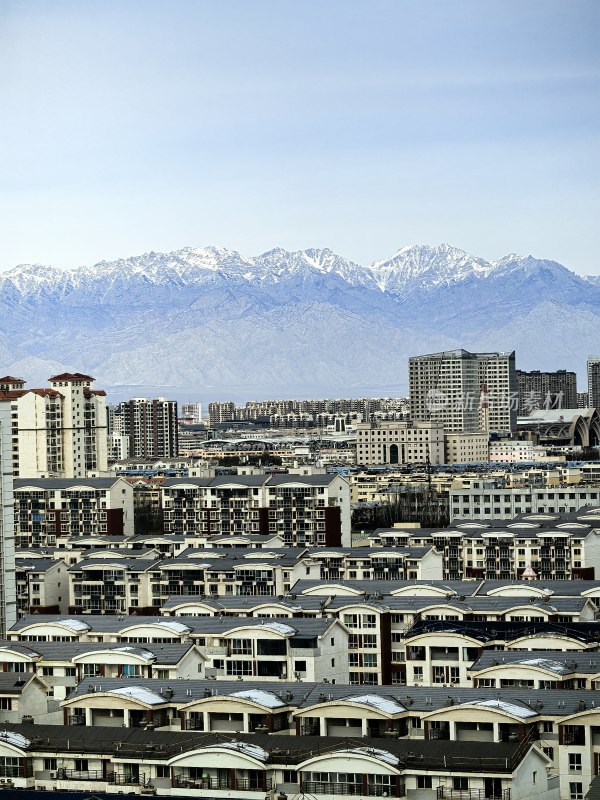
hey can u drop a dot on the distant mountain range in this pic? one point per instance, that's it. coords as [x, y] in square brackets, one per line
[211, 323]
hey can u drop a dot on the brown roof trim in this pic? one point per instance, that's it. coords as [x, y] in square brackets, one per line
[71, 376]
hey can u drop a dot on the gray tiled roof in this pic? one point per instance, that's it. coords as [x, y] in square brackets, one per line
[105, 623]
[167, 654]
[35, 564]
[573, 662]
[449, 756]
[545, 703]
[65, 483]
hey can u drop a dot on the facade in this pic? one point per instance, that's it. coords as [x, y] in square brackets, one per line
[50, 510]
[546, 390]
[490, 498]
[118, 447]
[191, 413]
[220, 412]
[113, 583]
[517, 450]
[548, 546]
[302, 509]
[246, 766]
[466, 448]
[62, 665]
[42, 585]
[150, 425]
[57, 432]
[593, 377]
[464, 391]
[232, 649]
[399, 443]
[8, 599]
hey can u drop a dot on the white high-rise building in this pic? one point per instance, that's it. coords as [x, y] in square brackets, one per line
[464, 391]
[8, 598]
[191, 413]
[57, 432]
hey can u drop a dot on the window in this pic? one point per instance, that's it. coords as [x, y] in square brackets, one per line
[575, 791]
[239, 668]
[50, 764]
[574, 762]
[423, 781]
[460, 784]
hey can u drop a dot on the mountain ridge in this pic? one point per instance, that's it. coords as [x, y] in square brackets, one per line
[308, 318]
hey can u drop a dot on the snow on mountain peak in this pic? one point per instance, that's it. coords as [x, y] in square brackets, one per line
[422, 268]
[427, 266]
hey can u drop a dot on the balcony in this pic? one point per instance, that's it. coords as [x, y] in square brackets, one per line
[239, 784]
[8, 771]
[64, 774]
[316, 787]
[471, 794]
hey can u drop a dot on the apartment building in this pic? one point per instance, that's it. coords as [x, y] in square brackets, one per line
[493, 499]
[254, 766]
[22, 697]
[466, 448]
[151, 426]
[142, 585]
[47, 511]
[264, 649]
[553, 669]
[63, 665]
[221, 412]
[107, 585]
[59, 431]
[302, 509]
[366, 563]
[464, 392]
[42, 585]
[593, 379]
[546, 390]
[8, 598]
[135, 581]
[191, 413]
[550, 546]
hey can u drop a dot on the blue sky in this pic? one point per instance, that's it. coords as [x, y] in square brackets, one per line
[360, 126]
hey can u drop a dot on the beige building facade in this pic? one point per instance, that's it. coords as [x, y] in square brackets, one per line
[401, 442]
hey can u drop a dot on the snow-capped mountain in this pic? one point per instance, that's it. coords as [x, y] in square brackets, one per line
[308, 322]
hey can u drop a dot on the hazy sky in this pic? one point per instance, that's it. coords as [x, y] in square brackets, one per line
[135, 125]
